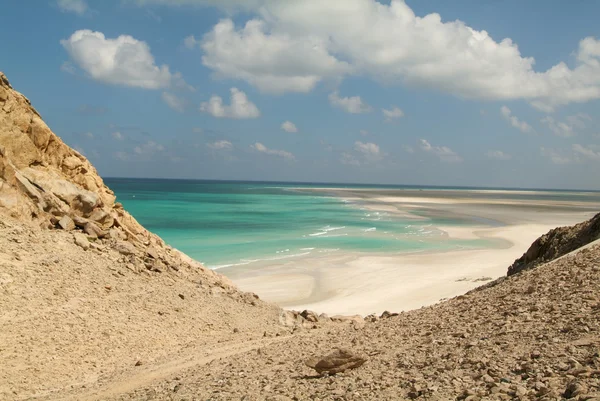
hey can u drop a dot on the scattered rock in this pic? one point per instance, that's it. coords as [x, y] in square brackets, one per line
[125, 248]
[81, 241]
[66, 223]
[338, 361]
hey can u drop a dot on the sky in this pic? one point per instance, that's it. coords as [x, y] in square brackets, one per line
[418, 92]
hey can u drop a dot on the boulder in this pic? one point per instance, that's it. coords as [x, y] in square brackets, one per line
[66, 223]
[125, 248]
[92, 230]
[81, 241]
[310, 316]
[337, 361]
[102, 218]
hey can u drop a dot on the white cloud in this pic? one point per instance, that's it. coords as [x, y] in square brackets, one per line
[78, 7]
[190, 42]
[364, 153]
[392, 113]
[444, 153]
[558, 128]
[353, 105]
[220, 145]
[591, 152]
[554, 156]
[148, 148]
[289, 126]
[369, 150]
[173, 101]
[240, 107]
[122, 61]
[118, 136]
[259, 147]
[302, 42]
[515, 122]
[498, 155]
[364, 132]
[89, 135]
[273, 62]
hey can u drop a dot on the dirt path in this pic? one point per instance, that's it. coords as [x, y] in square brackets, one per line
[146, 375]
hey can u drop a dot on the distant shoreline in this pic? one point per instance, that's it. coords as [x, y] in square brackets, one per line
[329, 185]
[359, 283]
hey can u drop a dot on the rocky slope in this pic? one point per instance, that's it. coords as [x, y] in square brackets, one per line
[556, 243]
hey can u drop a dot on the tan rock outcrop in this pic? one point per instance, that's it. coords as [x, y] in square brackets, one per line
[44, 181]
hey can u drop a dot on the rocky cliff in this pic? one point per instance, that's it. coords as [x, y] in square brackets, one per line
[556, 243]
[44, 181]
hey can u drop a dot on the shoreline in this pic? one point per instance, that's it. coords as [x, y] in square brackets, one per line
[363, 283]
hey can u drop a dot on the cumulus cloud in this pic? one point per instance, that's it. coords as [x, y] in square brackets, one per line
[590, 152]
[498, 155]
[515, 122]
[220, 145]
[118, 136]
[240, 107]
[554, 156]
[444, 153]
[259, 147]
[352, 105]
[363, 153]
[369, 150]
[78, 7]
[289, 126]
[121, 61]
[173, 101]
[302, 42]
[392, 114]
[273, 62]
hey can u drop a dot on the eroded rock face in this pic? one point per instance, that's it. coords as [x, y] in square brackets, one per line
[45, 182]
[556, 243]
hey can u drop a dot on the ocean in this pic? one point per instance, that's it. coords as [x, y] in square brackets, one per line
[224, 224]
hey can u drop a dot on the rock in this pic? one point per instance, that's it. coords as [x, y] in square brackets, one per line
[66, 223]
[81, 241]
[103, 219]
[181, 296]
[93, 230]
[152, 252]
[310, 316]
[338, 361]
[574, 389]
[290, 318]
[387, 315]
[125, 248]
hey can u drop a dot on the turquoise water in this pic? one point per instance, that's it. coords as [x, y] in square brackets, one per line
[236, 223]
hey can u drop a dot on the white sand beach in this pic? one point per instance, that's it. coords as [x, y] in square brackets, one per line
[358, 283]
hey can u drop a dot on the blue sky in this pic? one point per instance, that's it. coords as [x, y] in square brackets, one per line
[430, 92]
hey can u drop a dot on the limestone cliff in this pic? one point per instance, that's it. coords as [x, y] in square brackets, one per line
[45, 182]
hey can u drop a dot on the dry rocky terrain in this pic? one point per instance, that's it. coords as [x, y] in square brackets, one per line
[93, 306]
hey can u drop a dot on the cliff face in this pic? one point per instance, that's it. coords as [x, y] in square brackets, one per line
[556, 243]
[44, 181]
